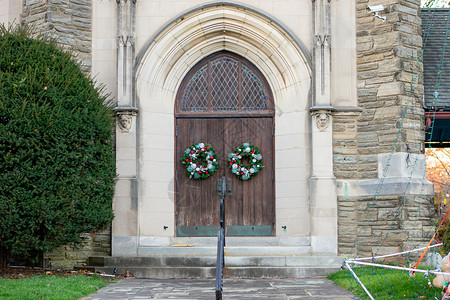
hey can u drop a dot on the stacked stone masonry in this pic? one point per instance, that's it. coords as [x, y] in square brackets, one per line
[67, 257]
[345, 147]
[384, 224]
[69, 21]
[390, 91]
[390, 86]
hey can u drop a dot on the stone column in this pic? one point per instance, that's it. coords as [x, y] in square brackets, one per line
[385, 203]
[125, 204]
[323, 203]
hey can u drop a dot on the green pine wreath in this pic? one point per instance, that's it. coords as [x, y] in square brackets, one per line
[191, 160]
[242, 171]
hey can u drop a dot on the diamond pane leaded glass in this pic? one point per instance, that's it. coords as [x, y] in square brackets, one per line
[195, 96]
[224, 84]
[253, 95]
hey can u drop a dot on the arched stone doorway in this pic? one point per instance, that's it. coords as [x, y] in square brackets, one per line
[161, 66]
[225, 101]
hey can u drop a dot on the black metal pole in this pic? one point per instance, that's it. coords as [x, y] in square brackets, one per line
[220, 263]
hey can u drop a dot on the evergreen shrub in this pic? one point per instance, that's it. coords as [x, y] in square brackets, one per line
[57, 164]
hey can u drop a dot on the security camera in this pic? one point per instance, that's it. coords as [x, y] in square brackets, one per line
[376, 9]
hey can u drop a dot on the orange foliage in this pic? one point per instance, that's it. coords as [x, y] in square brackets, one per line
[438, 172]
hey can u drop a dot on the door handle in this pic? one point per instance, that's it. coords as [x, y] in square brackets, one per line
[220, 187]
[224, 186]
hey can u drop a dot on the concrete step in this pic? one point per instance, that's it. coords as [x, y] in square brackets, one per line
[161, 272]
[282, 261]
[229, 251]
[267, 251]
[230, 241]
[244, 258]
[277, 272]
[204, 267]
[210, 272]
[210, 261]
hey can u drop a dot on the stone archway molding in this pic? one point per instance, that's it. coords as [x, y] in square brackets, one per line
[225, 25]
[223, 3]
[160, 68]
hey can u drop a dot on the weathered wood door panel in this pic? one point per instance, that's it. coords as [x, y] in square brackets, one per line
[195, 199]
[225, 101]
[251, 203]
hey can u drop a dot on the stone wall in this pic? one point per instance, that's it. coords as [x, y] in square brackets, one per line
[345, 146]
[77, 255]
[69, 21]
[384, 224]
[390, 91]
[390, 86]
[375, 152]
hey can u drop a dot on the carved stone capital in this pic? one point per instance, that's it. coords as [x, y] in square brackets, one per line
[322, 116]
[322, 120]
[125, 117]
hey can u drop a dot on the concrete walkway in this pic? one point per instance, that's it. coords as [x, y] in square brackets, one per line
[242, 289]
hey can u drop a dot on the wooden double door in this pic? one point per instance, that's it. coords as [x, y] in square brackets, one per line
[249, 204]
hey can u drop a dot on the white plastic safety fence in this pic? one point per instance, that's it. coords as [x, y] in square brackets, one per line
[360, 261]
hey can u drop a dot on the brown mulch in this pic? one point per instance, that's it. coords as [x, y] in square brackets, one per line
[22, 272]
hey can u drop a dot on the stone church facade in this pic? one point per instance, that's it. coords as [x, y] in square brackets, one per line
[339, 119]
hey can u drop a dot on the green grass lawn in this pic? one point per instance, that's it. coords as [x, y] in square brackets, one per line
[387, 284]
[48, 287]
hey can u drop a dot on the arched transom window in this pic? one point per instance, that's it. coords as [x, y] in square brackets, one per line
[224, 83]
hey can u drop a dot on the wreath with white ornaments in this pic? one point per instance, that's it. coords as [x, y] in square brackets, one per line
[243, 171]
[200, 160]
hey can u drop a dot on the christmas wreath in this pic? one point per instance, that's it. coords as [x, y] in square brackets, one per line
[245, 172]
[195, 168]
